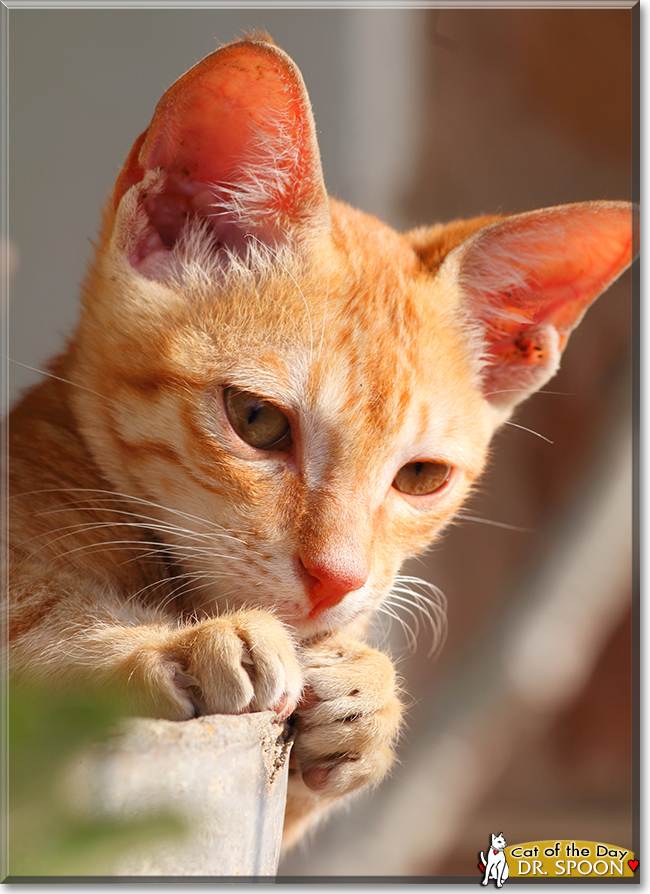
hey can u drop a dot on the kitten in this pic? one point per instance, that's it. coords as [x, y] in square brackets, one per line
[270, 401]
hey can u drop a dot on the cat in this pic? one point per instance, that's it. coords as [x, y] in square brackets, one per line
[496, 865]
[270, 401]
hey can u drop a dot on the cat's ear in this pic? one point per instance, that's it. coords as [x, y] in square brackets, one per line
[527, 281]
[233, 143]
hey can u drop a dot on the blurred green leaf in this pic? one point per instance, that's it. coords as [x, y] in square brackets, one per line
[47, 834]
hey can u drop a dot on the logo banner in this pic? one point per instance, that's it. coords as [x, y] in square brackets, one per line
[570, 859]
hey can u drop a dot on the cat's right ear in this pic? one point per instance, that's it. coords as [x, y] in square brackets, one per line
[233, 144]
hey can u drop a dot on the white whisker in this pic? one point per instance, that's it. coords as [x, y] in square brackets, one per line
[386, 609]
[496, 524]
[526, 391]
[50, 375]
[432, 607]
[145, 521]
[530, 430]
[131, 497]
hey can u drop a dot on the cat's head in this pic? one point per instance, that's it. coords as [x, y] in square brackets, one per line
[302, 396]
[498, 841]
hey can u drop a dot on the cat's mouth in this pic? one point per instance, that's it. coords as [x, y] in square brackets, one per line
[308, 629]
[307, 618]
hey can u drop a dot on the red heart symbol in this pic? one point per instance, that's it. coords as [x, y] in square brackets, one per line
[495, 851]
[633, 864]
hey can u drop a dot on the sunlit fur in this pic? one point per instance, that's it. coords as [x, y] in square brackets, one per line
[157, 553]
[140, 509]
[329, 338]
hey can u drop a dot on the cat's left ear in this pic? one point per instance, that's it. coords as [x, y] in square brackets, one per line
[527, 281]
[232, 143]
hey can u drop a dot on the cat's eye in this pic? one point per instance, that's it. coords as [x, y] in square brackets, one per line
[421, 478]
[256, 420]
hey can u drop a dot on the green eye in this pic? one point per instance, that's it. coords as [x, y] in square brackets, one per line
[422, 478]
[257, 421]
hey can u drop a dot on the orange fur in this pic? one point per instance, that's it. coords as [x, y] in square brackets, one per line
[156, 551]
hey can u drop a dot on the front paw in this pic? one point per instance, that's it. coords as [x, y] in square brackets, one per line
[232, 664]
[348, 718]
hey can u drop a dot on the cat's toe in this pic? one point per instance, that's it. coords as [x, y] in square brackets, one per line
[347, 719]
[242, 663]
[342, 774]
[271, 663]
[171, 692]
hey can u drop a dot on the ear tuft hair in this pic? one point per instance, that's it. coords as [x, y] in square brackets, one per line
[234, 144]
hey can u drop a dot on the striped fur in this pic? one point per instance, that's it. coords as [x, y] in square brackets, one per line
[153, 550]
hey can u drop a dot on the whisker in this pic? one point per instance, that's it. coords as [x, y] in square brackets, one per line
[496, 524]
[155, 585]
[377, 622]
[50, 375]
[72, 530]
[532, 431]
[85, 527]
[386, 609]
[394, 597]
[106, 546]
[131, 497]
[146, 521]
[432, 607]
[433, 614]
[525, 391]
[182, 591]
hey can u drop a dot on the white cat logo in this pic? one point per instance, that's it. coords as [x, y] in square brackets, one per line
[496, 865]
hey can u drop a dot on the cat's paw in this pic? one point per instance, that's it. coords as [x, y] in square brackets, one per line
[348, 718]
[233, 664]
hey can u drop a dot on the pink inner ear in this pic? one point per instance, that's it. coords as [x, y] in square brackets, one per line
[235, 132]
[529, 279]
[545, 267]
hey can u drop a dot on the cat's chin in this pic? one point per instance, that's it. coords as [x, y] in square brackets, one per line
[302, 626]
[308, 629]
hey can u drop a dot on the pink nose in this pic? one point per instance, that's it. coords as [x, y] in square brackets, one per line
[328, 582]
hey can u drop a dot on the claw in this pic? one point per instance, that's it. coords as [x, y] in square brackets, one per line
[307, 700]
[185, 680]
[284, 707]
[316, 778]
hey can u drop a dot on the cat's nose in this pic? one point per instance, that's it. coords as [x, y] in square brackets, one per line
[329, 580]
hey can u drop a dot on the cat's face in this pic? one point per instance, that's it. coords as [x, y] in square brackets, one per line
[499, 842]
[321, 419]
[299, 396]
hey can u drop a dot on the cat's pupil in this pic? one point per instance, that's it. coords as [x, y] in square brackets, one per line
[422, 477]
[253, 413]
[257, 421]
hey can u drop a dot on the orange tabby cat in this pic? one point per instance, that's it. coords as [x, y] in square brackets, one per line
[270, 401]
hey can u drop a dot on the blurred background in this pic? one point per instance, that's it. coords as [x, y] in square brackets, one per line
[527, 722]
